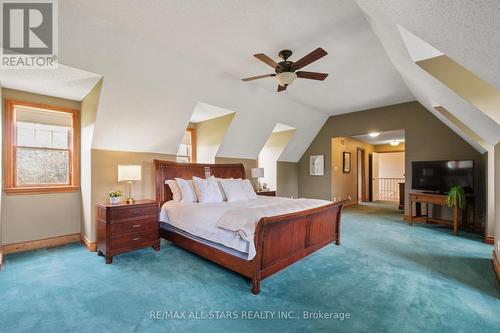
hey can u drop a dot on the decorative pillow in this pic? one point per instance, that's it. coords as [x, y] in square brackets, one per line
[233, 190]
[176, 191]
[224, 198]
[187, 190]
[248, 188]
[207, 190]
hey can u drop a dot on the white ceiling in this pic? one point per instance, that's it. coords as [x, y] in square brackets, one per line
[417, 48]
[225, 34]
[466, 31]
[204, 112]
[63, 81]
[159, 60]
[383, 137]
[162, 59]
[282, 128]
[463, 28]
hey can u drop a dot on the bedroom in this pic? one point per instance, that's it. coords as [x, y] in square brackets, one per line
[107, 111]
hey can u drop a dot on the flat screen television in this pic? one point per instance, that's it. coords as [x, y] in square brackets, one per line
[440, 176]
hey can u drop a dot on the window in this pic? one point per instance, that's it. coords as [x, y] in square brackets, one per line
[41, 148]
[187, 149]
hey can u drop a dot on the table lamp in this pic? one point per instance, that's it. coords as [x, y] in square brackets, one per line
[129, 173]
[258, 173]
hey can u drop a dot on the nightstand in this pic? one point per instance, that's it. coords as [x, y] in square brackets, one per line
[267, 193]
[125, 227]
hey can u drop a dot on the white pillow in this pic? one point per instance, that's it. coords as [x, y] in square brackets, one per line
[238, 189]
[176, 191]
[248, 188]
[207, 190]
[224, 198]
[187, 190]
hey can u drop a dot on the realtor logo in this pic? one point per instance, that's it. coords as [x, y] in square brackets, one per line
[29, 34]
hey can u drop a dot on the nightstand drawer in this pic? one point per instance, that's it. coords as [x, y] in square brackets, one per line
[143, 225]
[132, 241]
[126, 227]
[133, 212]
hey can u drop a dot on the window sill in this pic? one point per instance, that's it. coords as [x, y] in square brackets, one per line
[40, 190]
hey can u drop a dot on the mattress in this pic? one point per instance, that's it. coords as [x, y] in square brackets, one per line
[236, 253]
[204, 220]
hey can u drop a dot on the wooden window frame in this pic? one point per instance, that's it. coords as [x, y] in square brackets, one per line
[192, 156]
[10, 151]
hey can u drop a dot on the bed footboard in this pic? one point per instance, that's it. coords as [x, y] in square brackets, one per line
[284, 239]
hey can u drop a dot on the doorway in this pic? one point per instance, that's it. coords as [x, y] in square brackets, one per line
[390, 173]
[381, 180]
[361, 174]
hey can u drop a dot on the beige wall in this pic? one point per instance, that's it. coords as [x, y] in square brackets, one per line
[32, 217]
[345, 185]
[89, 107]
[105, 175]
[287, 176]
[270, 154]
[209, 136]
[426, 138]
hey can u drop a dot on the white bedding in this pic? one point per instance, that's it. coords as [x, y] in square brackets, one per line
[231, 224]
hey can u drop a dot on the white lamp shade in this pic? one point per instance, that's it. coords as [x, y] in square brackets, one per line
[285, 78]
[257, 172]
[129, 172]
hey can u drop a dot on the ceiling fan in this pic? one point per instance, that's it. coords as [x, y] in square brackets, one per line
[286, 71]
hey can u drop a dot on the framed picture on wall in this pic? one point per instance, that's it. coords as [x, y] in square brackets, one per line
[347, 161]
[317, 165]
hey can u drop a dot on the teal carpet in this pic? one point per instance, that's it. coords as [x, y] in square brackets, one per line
[386, 276]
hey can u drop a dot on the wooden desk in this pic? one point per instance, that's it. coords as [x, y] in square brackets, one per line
[437, 199]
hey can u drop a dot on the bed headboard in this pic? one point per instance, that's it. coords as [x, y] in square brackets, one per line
[165, 170]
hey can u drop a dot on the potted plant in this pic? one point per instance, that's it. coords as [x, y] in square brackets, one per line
[456, 197]
[114, 197]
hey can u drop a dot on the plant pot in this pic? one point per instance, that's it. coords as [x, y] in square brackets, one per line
[114, 200]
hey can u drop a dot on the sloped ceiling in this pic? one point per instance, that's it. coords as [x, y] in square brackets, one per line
[464, 30]
[63, 82]
[160, 58]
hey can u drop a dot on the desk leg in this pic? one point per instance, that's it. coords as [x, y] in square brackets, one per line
[426, 213]
[465, 217]
[455, 220]
[410, 220]
[473, 216]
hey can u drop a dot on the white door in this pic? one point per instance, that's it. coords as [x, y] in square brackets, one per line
[374, 180]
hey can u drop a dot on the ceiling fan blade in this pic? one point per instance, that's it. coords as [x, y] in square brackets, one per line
[311, 57]
[281, 88]
[262, 57]
[311, 75]
[257, 77]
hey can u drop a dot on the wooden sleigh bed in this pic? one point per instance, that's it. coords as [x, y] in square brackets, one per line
[279, 240]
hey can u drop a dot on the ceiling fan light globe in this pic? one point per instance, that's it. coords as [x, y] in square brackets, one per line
[285, 78]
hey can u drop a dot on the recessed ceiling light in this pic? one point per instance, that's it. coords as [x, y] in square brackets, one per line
[374, 134]
[395, 143]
